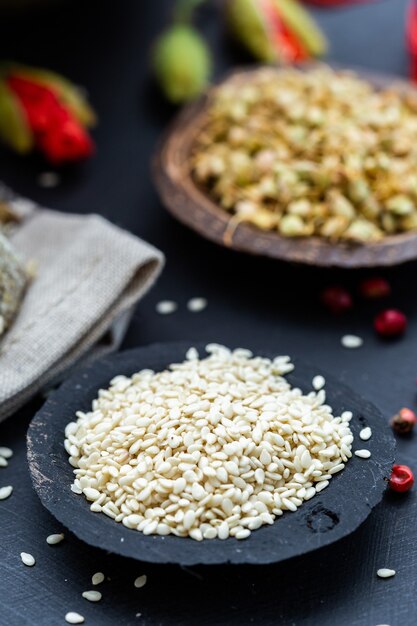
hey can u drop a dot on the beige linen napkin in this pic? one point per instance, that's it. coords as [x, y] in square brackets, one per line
[89, 272]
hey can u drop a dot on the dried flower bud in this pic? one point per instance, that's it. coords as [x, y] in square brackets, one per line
[182, 63]
[43, 110]
[404, 421]
[275, 30]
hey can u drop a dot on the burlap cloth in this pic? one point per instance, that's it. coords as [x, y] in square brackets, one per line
[89, 273]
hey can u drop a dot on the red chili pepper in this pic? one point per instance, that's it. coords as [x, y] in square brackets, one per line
[374, 288]
[404, 421]
[58, 134]
[390, 323]
[336, 299]
[402, 478]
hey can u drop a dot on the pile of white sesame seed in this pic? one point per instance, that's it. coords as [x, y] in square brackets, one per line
[209, 448]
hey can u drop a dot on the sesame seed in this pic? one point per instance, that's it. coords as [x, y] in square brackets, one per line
[199, 440]
[3, 462]
[351, 341]
[365, 434]
[319, 382]
[165, 307]
[52, 540]
[6, 453]
[363, 454]
[195, 305]
[385, 572]
[140, 581]
[5, 492]
[74, 618]
[27, 559]
[92, 596]
[48, 180]
[97, 578]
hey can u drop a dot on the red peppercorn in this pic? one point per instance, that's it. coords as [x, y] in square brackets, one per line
[374, 288]
[336, 299]
[404, 421]
[390, 323]
[402, 478]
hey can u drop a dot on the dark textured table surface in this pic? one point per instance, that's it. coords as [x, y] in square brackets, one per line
[105, 46]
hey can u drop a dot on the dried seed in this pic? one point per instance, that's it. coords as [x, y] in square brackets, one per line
[363, 454]
[385, 572]
[6, 453]
[319, 382]
[92, 596]
[74, 618]
[140, 581]
[351, 341]
[365, 433]
[5, 492]
[97, 578]
[218, 459]
[52, 540]
[27, 559]
[195, 305]
[165, 307]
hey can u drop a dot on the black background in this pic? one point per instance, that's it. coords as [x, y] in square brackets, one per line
[105, 46]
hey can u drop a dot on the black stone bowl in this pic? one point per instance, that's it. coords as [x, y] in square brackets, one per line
[332, 514]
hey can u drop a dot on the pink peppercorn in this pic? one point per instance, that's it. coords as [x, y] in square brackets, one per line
[375, 288]
[402, 478]
[336, 299]
[390, 323]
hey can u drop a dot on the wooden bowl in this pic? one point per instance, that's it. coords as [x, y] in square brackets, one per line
[187, 202]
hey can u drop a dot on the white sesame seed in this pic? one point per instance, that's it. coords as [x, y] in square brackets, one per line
[351, 341]
[6, 453]
[191, 354]
[195, 305]
[140, 581]
[346, 416]
[74, 618]
[48, 180]
[165, 307]
[27, 559]
[3, 462]
[52, 540]
[385, 572]
[97, 578]
[318, 382]
[365, 434]
[363, 454]
[92, 596]
[214, 457]
[5, 492]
